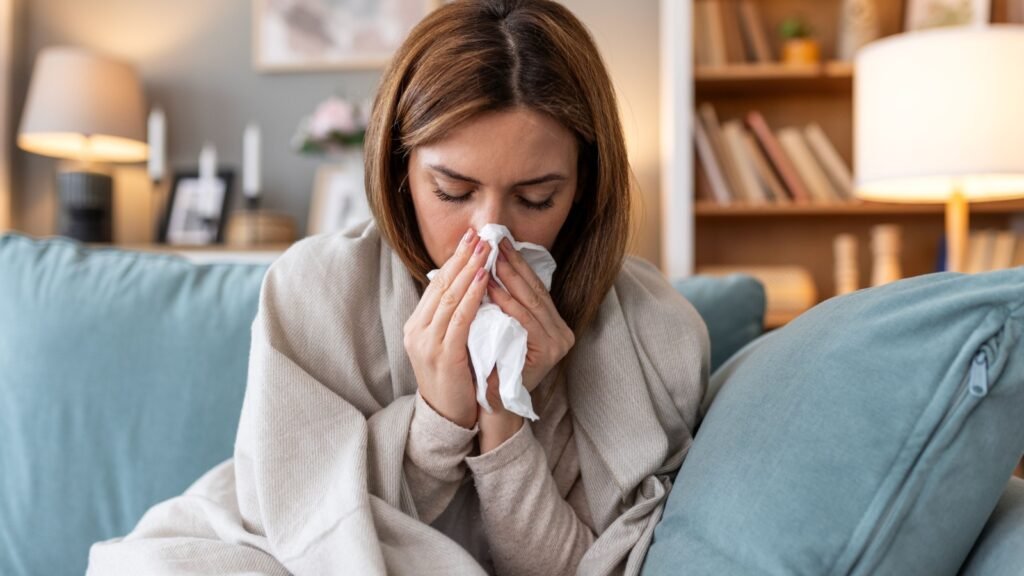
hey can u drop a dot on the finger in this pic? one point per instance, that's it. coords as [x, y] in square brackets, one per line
[522, 267]
[513, 308]
[451, 299]
[424, 312]
[527, 296]
[457, 333]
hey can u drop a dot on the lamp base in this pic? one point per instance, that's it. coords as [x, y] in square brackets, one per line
[86, 206]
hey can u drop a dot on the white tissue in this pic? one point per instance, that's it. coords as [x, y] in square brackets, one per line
[497, 340]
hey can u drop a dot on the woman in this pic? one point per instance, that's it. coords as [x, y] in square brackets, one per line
[361, 448]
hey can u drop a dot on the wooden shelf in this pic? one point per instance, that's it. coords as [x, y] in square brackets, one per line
[742, 79]
[711, 210]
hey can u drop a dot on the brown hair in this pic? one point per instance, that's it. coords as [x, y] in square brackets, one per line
[475, 56]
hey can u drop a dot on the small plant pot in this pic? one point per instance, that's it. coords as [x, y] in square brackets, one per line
[801, 51]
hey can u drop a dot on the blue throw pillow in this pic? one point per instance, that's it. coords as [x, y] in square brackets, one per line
[121, 378]
[872, 435]
[732, 307]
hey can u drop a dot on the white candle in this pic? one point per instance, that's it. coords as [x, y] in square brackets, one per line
[207, 163]
[251, 161]
[157, 141]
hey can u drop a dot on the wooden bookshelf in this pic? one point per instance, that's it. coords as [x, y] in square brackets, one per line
[711, 210]
[744, 79]
[698, 232]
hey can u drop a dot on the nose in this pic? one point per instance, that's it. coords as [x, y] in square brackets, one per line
[490, 210]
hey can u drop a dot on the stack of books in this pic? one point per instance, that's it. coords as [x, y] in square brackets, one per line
[729, 32]
[745, 161]
[989, 250]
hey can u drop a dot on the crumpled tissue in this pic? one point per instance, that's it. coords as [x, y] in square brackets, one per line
[497, 340]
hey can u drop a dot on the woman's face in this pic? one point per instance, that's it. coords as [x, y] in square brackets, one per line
[516, 168]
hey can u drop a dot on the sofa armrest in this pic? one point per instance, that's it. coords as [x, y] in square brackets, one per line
[998, 550]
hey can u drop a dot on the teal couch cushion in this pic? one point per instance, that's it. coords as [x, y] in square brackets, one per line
[874, 434]
[732, 307]
[121, 382]
[999, 550]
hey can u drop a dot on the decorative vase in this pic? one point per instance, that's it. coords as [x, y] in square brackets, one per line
[858, 25]
[801, 51]
[339, 193]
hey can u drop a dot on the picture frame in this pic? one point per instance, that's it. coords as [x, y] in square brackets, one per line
[339, 198]
[927, 14]
[320, 35]
[193, 216]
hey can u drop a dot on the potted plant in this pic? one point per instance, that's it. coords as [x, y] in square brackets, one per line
[798, 47]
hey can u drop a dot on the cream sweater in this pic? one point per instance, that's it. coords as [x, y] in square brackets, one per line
[320, 481]
[529, 487]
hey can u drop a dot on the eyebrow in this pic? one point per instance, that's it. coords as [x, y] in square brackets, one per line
[531, 182]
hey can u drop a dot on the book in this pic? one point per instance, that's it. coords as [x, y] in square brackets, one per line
[709, 161]
[1003, 248]
[701, 41]
[979, 251]
[751, 190]
[833, 164]
[753, 32]
[792, 141]
[716, 34]
[735, 52]
[732, 177]
[1018, 254]
[777, 156]
[769, 181]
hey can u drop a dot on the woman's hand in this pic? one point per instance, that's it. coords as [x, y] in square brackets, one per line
[437, 332]
[548, 339]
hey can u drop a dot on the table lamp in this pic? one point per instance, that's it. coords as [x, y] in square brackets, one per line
[939, 118]
[89, 109]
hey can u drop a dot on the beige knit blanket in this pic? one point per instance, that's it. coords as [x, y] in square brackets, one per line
[316, 485]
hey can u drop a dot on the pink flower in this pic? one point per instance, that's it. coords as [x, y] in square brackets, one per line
[333, 115]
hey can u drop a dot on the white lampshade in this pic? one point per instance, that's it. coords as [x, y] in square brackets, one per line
[84, 106]
[940, 111]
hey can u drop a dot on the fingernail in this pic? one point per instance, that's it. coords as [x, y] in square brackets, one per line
[501, 256]
[491, 283]
[468, 236]
[480, 247]
[505, 244]
[480, 274]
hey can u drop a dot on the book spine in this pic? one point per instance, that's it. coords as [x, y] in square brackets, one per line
[1002, 251]
[777, 156]
[725, 158]
[716, 34]
[810, 172]
[769, 181]
[708, 159]
[733, 132]
[701, 42]
[754, 32]
[829, 158]
[734, 48]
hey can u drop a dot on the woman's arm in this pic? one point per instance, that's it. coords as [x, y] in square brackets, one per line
[531, 529]
[435, 459]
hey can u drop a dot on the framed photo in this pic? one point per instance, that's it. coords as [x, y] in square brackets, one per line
[925, 14]
[305, 35]
[196, 211]
[339, 198]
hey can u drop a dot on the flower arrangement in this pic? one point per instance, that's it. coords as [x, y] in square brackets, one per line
[336, 124]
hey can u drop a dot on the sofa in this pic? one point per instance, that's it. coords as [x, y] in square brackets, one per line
[122, 376]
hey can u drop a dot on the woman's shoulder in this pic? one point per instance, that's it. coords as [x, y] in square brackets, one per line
[353, 252]
[650, 301]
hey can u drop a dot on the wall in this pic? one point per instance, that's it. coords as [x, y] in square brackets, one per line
[195, 60]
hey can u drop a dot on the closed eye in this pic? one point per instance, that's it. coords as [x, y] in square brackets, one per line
[446, 197]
